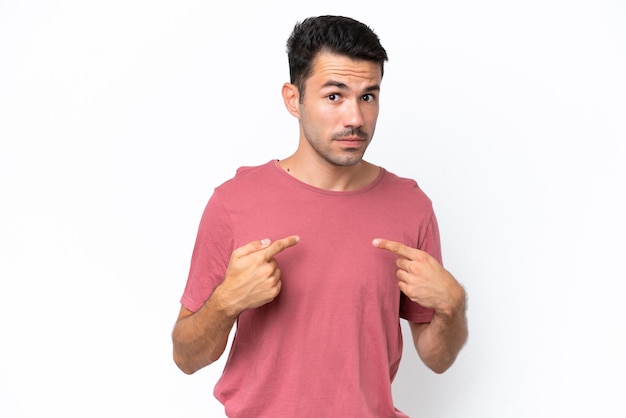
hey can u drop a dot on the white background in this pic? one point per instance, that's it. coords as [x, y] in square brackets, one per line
[118, 118]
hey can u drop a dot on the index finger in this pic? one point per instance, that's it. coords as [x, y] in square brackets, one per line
[280, 245]
[395, 247]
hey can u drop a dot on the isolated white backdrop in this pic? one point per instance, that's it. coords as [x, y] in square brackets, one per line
[118, 118]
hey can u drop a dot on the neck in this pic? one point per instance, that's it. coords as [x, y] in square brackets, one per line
[327, 176]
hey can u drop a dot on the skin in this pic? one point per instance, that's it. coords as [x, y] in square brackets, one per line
[252, 279]
[337, 119]
[423, 280]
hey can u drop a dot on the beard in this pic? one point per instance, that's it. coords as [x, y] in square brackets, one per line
[343, 157]
[350, 132]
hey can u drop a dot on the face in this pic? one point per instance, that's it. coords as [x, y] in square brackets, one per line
[340, 107]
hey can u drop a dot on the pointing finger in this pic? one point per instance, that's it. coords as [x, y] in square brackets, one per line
[251, 247]
[280, 245]
[395, 247]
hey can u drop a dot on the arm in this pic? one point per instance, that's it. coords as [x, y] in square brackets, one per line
[439, 342]
[423, 280]
[252, 279]
[200, 338]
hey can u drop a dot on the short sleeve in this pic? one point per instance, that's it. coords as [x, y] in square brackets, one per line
[211, 254]
[429, 242]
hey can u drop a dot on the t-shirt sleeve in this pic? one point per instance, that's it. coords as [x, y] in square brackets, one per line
[210, 257]
[430, 242]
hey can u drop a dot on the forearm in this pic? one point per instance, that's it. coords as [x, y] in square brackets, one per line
[439, 342]
[200, 338]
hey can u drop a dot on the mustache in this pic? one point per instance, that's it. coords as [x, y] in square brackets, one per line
[351, 132]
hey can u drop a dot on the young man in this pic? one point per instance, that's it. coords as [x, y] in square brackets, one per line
[318, 255]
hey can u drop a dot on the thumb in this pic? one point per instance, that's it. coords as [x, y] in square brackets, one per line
[252, 247]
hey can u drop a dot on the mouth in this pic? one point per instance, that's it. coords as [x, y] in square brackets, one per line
[352, 138]
[351, 142]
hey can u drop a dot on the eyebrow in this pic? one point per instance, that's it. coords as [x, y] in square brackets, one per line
[343, 86]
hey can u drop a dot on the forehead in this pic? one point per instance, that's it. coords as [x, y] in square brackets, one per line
[330, 66]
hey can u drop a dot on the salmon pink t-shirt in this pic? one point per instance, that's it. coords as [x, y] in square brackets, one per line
[330, 344]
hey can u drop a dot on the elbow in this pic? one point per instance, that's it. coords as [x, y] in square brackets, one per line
[188, 371]
[441, 367]
[185, 363]
[180, 353]
[189, 363]
[182, 359]
[439, 363]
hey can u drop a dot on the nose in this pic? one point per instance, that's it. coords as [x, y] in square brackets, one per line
[353, 116]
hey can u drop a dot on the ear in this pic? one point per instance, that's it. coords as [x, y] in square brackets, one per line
[291, 97]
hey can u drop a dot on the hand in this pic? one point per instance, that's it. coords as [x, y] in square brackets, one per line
[252, 277]
[423, 280]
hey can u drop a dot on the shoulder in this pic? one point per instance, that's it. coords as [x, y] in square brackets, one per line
[407, 187]
[400, 181]
[248, 176]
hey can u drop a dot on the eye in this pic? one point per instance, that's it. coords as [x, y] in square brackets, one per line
[333, 97]
[368, 97]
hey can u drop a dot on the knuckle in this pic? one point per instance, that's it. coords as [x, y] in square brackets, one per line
[267, 269]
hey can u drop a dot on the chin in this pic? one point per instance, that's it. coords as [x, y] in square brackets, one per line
[347, 162]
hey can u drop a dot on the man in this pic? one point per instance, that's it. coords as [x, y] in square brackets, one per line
[318, 255]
